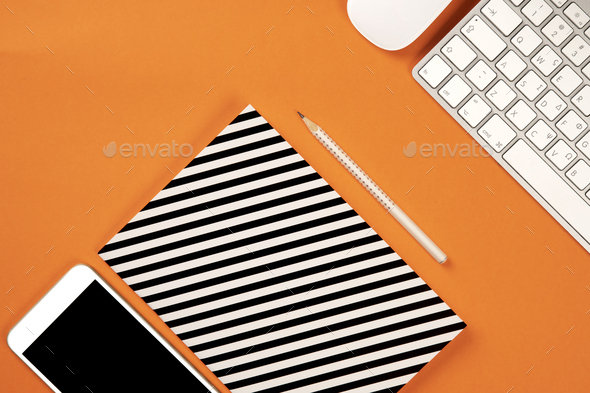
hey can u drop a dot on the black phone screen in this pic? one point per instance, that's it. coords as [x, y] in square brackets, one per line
[96, 346]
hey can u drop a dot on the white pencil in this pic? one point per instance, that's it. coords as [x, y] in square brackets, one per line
[377, 192]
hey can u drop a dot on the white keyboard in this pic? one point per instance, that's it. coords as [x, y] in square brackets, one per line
[516, 75]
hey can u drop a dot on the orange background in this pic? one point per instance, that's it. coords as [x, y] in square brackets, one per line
[519, 290]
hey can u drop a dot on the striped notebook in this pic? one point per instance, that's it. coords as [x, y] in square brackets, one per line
[272, 279]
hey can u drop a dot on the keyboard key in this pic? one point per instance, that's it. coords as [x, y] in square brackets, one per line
[481, 75]
[558, 3]
[546, 60]
[526, 40]
[541, 134]
[576, 15]
[454, 91]
[501, 95]
[483, 37]
[521, 115]
[577, 50]
[517, 2]
[582, 100]
[579, 174]
[571, 125]
[511, 65]
[550, 186]
[561, 154]
[475, 110]
[502, 16]
[497, 133]
[551, 105]
[531, 85]
[557, 30]
[459, 53]
[567, 80]
[584, 145]
[586, 70]
[435, 71]
[537, 11]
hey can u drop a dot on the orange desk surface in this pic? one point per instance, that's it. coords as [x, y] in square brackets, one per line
[75, 76]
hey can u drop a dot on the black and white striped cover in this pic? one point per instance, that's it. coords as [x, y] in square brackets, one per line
[274, 281]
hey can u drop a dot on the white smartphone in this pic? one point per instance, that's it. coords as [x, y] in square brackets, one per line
[83, 337]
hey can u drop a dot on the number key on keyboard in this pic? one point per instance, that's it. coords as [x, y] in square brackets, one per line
[557, 30]
[502, 16]
[577, 50]
[501, 95]
[561, 154]
[579, 174]
[541, 134]
[537, 11]
[483, 37]
[526, 40]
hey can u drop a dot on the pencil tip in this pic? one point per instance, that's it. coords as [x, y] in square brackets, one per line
[301, 115]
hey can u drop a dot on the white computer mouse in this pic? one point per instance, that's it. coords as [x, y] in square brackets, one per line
[393, 24]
